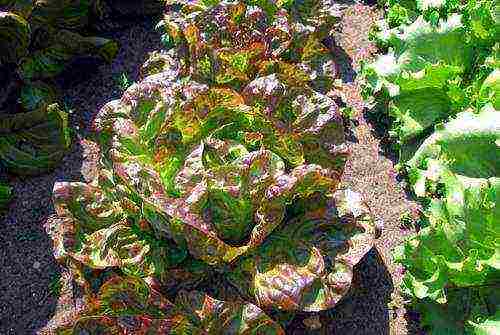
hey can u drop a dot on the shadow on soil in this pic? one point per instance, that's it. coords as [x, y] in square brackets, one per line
[30, 277]
[364, 310]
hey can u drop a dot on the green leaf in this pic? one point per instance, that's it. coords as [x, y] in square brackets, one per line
[490, 326]
[490, 90]
[15, 34]
[61, 47]
[5, 196]
[34, 142]
[468, 311]
[458, 168]
[37, 96]
[417, 72]
[65, 14]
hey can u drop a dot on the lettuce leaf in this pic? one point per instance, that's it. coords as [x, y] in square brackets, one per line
[34, 142]
[490, 90]
[127, 305]
[63, 14]
[468, 311]
[308, 263]
[457, 250]
[440, 66]
[15, 35]
[62, 46]
[5, 196]
[417, 72]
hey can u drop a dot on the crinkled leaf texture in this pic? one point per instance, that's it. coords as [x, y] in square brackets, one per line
[416, 72]
[231, 43]
[434, 46]
[458, 169]
[126, 305]
[182, 169]
[222, 162]
[466, 147]
[199, 178]
[186, 150]
[469, 311]
[443, 60]
[308, 264]
[490, 89]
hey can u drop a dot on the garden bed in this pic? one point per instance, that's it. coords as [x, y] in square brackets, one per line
[36, 295]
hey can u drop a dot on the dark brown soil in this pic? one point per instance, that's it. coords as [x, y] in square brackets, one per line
[30, 299]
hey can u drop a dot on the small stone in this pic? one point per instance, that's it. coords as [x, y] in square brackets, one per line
[379, 226]
[312, 323]
[36, 265]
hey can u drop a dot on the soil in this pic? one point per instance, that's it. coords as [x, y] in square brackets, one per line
[35, 292]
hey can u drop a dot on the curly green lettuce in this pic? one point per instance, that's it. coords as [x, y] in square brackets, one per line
[458, 250]
[441, 66]
[413, 79]
[468, 311]
[434, 68]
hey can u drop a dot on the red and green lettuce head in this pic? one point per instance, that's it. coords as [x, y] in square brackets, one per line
[232, 43]
[194, 180]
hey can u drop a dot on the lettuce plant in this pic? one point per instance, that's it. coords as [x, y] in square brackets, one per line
[457, 250]
[458, 168]
[215, 178]
[414, 76]
[51, 30]
[441, 66]
[433, 68]
[34, 133]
